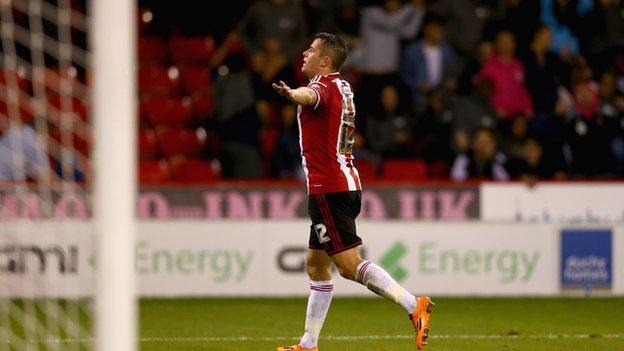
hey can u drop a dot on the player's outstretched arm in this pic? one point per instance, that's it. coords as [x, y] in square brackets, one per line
[300, 96]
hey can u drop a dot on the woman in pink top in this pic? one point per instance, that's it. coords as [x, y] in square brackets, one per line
[509, 95]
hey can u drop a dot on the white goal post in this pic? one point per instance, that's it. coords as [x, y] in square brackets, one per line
[113, 106]
[68, 179]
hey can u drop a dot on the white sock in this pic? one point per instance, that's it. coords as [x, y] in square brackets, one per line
[321, 292]
[381, 283]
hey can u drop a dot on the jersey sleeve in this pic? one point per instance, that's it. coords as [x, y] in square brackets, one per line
[322, 91]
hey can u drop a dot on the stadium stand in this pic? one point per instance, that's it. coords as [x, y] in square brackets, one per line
[574, 108]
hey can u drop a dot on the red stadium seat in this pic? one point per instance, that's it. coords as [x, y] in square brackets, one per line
[190, 50]
[25, 113]
[268, 141]
[167, 111]
[212, 143]
[12, 77]
[158, 80]
[77, 142]
[366, 169]
[196, 79]
[194, 171]
[439, 170]
[148, 145]
[404, 170]
[53, 78]
[81, 144]
[186, 141]
[77, 108]
[154, 172]
[203, 104]
[152, 50]
[12, 80]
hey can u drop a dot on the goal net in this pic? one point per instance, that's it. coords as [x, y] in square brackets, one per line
[65, 244]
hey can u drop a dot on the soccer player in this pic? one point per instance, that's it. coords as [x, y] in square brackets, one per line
[326, 117]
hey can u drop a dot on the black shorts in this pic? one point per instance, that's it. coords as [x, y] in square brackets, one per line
[333, 221]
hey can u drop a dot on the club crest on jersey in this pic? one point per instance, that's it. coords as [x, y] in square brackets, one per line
[345, 88]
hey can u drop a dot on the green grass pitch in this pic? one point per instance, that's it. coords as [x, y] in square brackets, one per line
[364, 324]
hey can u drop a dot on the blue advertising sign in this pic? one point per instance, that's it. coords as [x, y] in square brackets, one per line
[586, 257]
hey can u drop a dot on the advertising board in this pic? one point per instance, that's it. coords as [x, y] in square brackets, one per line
[262, 258]
[586, 258]
[53, 259]
[561, 203]
[269, 258]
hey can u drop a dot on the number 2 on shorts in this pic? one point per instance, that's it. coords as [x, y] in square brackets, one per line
[321, 232]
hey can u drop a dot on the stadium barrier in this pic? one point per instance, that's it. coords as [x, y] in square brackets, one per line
[256, 258]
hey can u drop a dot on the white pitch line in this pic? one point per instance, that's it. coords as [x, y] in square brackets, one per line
[333, 337]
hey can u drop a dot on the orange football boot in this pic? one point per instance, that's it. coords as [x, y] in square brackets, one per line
[295, 348]
[420, 320]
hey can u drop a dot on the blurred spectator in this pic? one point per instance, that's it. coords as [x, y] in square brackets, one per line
[72, 168]
[531, 165]
[520, 17]
[542, 79]
[343, 20]
[22, 154]
[471, 113]
[586, 99]
[618, 68]
[231, 44]
[468, 78]
[288, 152]
[610, 101]
[317, 11]
[565, 103]
[270, 65]
[389, 132]
[382, 28]
[283, 20]
[512, 141]
[429, 64]
[587, 134]
[607, 24]
[362, 153]
[509, 95]
[563, 17]
[433, 130]
[233, 89]
[482, 161]
[466, 21]
[238, 121]
[612, 109]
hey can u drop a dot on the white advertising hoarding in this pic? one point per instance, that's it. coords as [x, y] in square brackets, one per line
[229, 258]
[49, 258]
[553, 202]
[268, 259]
